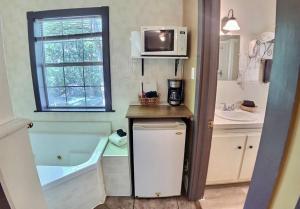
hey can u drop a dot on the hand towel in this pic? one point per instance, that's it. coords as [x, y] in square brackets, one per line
[117, 140]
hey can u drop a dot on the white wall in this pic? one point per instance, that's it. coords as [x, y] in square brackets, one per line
[190, 19]
[17, 169]
[254, 17]
[125, 16]
[5, 103]
[231, 92]
[18, 175]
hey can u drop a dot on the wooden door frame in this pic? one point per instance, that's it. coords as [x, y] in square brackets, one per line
[206, 87]
[281, 104]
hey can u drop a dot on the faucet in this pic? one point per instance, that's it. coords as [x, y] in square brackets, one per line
[228, 107]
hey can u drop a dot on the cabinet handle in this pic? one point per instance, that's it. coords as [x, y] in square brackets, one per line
[239, 147]
[251, 147]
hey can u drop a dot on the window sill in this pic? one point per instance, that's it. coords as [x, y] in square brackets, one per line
[86, 110]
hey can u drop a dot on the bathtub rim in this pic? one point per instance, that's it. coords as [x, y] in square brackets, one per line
[74, 171]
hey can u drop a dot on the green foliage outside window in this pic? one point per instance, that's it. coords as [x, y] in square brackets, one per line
[69, 80]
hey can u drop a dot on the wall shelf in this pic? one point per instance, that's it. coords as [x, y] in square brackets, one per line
[176, 58]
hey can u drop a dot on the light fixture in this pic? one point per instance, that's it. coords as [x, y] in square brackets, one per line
[162, 37]
[231, 23]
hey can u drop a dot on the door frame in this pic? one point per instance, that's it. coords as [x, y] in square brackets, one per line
[205, 96]
[280, 106]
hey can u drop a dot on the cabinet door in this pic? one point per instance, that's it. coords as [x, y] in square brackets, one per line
[225, 158]
[251, 150]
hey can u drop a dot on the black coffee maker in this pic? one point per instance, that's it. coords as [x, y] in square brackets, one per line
[175, 91]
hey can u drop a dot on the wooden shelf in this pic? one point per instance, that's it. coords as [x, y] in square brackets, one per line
[158, 111]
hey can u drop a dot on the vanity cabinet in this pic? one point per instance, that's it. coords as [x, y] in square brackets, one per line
[250, 155]
[225, 157]
[232, 156]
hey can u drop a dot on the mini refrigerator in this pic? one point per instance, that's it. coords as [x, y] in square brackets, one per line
[158, 153]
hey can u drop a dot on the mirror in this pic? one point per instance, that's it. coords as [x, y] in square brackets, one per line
[229, 51]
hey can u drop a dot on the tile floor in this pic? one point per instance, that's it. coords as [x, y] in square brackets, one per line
[226, 197]
[163, 203]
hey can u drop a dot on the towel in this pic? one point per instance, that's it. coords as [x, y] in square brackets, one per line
[248, 103]
[117, 140]
[121, 133]
[267, 71]
[149, 86]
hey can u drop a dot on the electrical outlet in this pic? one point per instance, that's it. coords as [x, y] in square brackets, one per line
[193, 73]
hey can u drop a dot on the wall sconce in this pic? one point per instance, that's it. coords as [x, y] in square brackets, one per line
[230, 22]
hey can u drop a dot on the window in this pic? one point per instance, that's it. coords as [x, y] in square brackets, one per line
[69, 52]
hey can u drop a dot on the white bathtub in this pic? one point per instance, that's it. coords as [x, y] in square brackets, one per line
[70, 170]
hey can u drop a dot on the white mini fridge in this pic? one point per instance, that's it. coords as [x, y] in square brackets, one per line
[158, 152]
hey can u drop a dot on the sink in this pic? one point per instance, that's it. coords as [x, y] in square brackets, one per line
[236, 115]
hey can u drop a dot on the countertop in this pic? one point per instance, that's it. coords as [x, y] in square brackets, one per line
[158, 111]
[221, 123]
[166, 111]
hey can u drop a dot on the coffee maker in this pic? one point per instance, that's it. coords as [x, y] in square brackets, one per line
[175, 91]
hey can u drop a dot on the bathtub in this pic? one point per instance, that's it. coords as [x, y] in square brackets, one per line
[70, 169]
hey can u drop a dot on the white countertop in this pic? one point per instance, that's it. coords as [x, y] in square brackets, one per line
[221, 123]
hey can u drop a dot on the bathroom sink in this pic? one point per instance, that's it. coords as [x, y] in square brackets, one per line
[236, 115]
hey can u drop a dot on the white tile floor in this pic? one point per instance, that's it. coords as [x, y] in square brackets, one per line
[226, 197]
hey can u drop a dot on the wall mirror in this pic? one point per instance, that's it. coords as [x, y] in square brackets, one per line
[229, 57]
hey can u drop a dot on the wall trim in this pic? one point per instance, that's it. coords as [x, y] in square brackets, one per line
[13, 126]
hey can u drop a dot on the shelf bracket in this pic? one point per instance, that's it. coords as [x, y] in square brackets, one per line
[176, 66]
[142, 67]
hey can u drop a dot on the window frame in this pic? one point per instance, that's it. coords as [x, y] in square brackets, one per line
[104, 12]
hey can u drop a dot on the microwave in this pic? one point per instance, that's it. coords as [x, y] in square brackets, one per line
[163, 41]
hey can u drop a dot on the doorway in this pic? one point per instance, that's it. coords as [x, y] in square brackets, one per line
[280, 103]
[241, 100]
